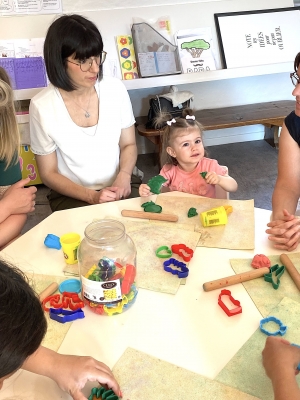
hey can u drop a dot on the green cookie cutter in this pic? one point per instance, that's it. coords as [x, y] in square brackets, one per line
[163, 252]
[155, 183]
[274, 279]
[150, 206]
[103, 394]
[192, 212]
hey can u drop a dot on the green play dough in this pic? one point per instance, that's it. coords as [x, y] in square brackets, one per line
[155, 183]
[192, 212]
[153, 208]
[150, 206]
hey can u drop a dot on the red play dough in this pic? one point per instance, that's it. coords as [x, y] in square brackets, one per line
[260, 261]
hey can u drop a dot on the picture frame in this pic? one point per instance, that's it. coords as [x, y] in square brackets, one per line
[258, 37]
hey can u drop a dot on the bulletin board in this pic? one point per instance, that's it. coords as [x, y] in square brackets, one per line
[258, 37]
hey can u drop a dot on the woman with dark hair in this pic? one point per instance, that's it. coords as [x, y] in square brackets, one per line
[284, 229]
[82, 125]
[22, 328]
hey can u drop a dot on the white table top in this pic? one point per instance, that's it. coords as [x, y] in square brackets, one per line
[188, 329]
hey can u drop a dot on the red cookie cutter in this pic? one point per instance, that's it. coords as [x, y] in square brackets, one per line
[67, 299]
[233, 311]
[183, 251]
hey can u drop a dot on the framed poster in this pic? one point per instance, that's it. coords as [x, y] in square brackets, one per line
[258, 37]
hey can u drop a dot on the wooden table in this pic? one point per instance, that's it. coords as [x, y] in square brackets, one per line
[268, 114]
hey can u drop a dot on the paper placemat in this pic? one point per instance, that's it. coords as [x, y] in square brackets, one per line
[143, 377]
[261, 292]
[237, 234]
[245, 370]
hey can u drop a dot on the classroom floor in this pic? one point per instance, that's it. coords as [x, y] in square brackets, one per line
[252, 164]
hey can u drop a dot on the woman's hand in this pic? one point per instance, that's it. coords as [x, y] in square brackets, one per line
[144, 190]
[122, 182]
[18, 199]
[285, 233]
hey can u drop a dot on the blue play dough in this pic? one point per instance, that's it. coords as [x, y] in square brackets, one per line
[52, 241]
[70, 285]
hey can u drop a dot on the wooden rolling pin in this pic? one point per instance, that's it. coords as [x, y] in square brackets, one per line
[234, 279]
[149, 215]
[48, 291]
[290, 267]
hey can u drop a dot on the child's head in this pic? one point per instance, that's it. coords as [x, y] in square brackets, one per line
[9, 132]
[176, 128]
[22, 321]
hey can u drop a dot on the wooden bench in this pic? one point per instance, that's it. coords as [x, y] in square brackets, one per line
[268, 114]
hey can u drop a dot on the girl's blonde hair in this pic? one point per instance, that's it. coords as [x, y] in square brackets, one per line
[175, 129]
[9, 132]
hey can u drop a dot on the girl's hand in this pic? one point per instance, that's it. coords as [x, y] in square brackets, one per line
[279, 354]
[212, 178]
[144, 190]
[20, 199]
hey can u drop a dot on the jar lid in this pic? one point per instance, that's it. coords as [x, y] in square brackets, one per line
[70, 285]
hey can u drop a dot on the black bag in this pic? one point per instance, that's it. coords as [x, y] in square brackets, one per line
[160, 105]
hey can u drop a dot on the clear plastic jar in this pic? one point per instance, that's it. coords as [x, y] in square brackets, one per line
[107, 267]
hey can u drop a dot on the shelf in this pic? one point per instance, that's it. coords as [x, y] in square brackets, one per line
[25, 94]
[181, 79]
[206, 76]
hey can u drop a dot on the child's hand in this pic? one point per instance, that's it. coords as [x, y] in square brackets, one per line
[212, 178]
[144, 190]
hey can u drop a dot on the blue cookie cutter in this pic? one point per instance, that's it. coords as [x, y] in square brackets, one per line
[61, 315]
[278, 273]
[282, 328]
[182, 273]
[52, 241]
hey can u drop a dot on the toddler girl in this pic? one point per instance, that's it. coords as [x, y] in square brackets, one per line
[183, 159]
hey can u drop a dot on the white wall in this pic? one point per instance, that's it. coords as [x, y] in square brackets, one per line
[116, 21]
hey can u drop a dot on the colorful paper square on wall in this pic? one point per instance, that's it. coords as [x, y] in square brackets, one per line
[127, 57]
[28, 166]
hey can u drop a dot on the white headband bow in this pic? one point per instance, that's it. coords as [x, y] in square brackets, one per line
[190, 117]
[173, 121]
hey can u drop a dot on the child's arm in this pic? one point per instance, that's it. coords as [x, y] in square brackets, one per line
[225, 182]
[71, 373]
[280, 361]
[11, 228]
[144, 190]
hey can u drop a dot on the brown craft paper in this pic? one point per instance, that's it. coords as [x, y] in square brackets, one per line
[143, 377]
[245, 371]
[237, 234]
[56, 332]
[147, 238]
[262, 293]
[150, 272]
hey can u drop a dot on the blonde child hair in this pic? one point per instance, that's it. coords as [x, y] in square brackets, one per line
[9, 132]
[175, 129]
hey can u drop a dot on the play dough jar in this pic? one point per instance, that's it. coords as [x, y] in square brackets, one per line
[107, 265]
[215, 216]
